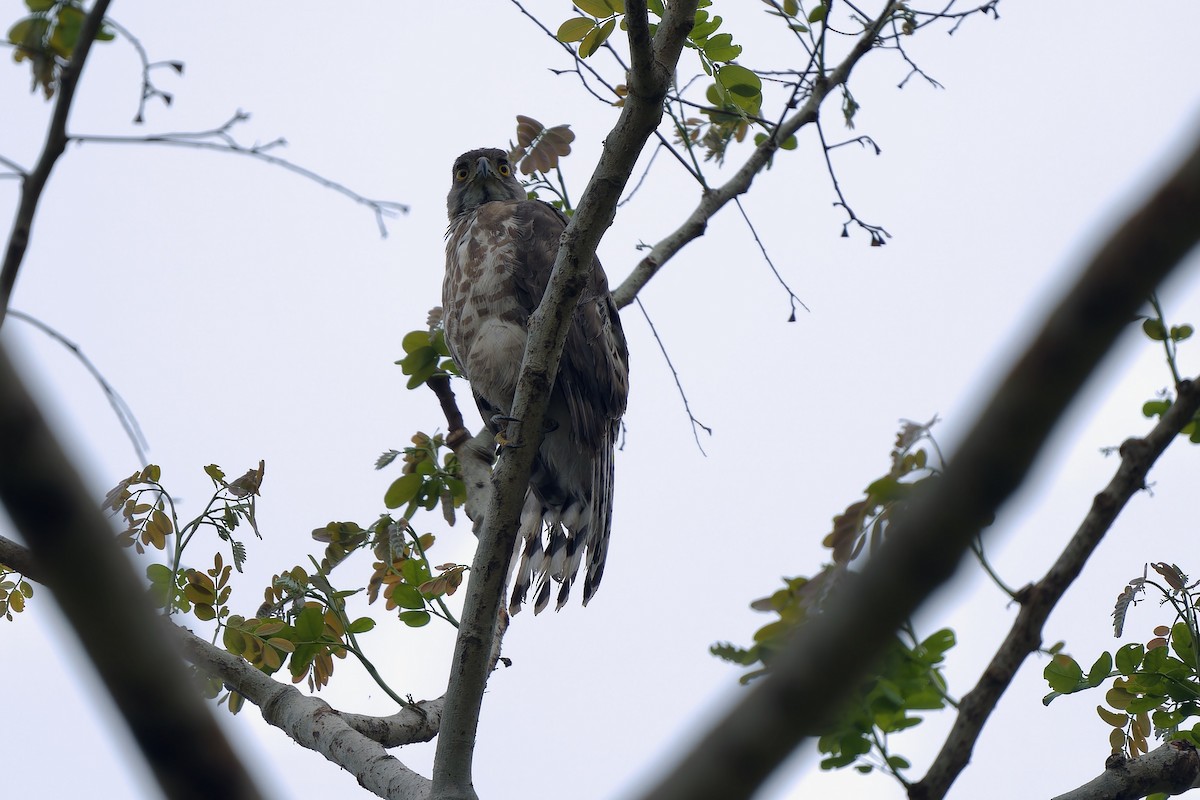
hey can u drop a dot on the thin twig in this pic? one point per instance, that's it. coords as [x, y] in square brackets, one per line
[148, 88]
[792, 298]
[678, 385]
[124, 413]
[225, 143]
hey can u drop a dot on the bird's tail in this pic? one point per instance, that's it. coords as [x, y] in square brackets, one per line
[554, 542]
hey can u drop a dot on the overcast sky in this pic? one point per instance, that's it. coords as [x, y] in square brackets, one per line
[246, 313]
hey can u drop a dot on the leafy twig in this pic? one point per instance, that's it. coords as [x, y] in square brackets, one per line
[34, 183]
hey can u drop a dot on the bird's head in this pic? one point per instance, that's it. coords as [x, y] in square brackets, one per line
[479, 177]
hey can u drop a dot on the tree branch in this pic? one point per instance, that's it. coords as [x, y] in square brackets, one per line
[354, 742]
[34, 183]
[655, 62]
[309, 721]
[832, 652]
[1039, 599]
[80, 562]
[714, 200]
[1171, 768]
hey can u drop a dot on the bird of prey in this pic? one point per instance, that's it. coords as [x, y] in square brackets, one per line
[500, 250]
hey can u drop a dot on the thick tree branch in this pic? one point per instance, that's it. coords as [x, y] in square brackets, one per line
[80, 562]
[308, 721]
[354, 742]
[832, 652]
[1171, 768]
[1039, 599]
[14, 556]
[34, 183]
[713, 200]
[547, 332]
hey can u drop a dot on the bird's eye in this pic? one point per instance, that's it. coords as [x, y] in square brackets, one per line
[503, 169]
[460, 174]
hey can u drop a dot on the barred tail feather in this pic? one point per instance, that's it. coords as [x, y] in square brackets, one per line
[554, 543]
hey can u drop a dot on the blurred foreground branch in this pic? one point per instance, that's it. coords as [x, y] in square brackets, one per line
[831, 653]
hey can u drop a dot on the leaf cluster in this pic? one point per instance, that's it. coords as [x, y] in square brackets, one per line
[910, 678]
[47, 36]
[426, 355]
[1155, 686]
[429, 478]
[1157, 330]
[14, 591]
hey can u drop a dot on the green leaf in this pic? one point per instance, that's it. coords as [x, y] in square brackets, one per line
[1154, 329]
[937, 644]
[1129, 658]
[575, 29]
[160, 573]
[739, 80]
[1181, 332]
[1155, 408]
[722, 48]
[818, 13]
[591, 43]
[414, 340]
[310, 624]
[1063, 673]
[402, 490]
[407, 596]
[361, 625]
[415, 619]
[1100, 670]
[597, 8]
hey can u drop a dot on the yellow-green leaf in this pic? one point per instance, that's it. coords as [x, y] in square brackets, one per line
[591, 43]
[575, 29]
[597, 8]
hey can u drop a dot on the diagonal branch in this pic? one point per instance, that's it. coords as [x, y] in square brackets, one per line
[355, 742]
[713, 200]
[830, 654]
[34, 183]
[654, 62]
[1039, 599]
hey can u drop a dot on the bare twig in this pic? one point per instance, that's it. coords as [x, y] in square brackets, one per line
[1039, 599]
[674, 374]
[124, 413]
[149, 90]
[221, 140]
[653, 61]
[762, 248]
[34, 183]
[832, 652]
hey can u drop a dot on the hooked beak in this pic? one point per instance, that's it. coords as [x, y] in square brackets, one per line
[483, 167]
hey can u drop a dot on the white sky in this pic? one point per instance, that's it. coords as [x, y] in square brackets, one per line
[245, 313]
